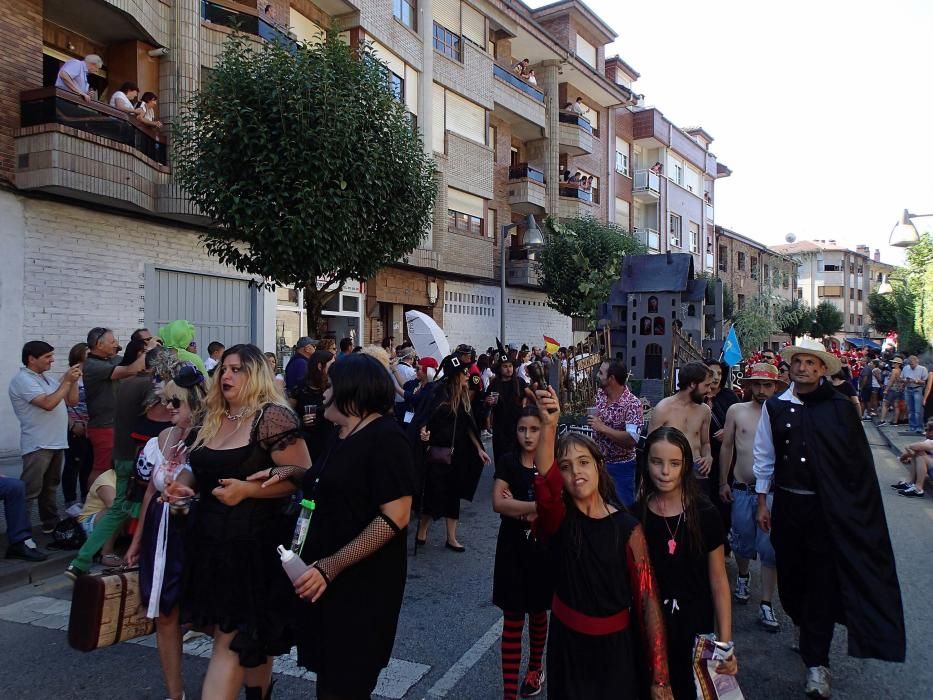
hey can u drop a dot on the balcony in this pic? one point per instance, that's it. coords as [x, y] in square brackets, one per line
[244, 19]
[527, 191]
[575, 203]
[649, 238]
[523, 273]
[646, 186]
[422, 257]
[88, 150]
[518, 103]
[576, 134]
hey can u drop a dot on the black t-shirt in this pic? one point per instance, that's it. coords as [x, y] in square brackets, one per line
[846, 388]
[521, 480]
[316, 436]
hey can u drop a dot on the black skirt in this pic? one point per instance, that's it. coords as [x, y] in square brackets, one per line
[522, 578]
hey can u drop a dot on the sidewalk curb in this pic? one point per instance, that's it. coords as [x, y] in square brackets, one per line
[14, 572]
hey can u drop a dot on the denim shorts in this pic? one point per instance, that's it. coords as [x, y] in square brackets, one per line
[891, 396]
[88, 524]
[748, 540]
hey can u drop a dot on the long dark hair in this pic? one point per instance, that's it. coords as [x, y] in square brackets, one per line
[316, 376]
[689, 488]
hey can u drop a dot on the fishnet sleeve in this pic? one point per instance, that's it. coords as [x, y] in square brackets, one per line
[277, 428]
[549, 497]
[647, 607]
[375, 536]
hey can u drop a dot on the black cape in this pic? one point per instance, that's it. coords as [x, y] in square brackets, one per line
[847, 486]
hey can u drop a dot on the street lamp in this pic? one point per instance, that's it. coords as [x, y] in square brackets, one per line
[533, 240]
[904, 234]
[885, 286]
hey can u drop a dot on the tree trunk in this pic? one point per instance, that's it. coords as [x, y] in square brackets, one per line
[314, 304]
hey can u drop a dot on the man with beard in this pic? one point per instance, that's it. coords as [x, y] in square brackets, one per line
[830, 537]
[687, 411]
[616, 425]
[748, 540]
[504, 398]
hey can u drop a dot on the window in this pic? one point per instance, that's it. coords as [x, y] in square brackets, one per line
[675, 169]
[491, 223]
[586, 51]
[833, 291]
[723, 259]
[694, 237]
[404, 12]
[473, 25]
[692, 180]
[767, 271]
[859, 295]
[622, 151]
[785, 280]
[465, 212]
[800, 292]
[594, 190]
[740, 261]
[447, 42]
[676, 231]
[832, 268]
[753, 267]
[464, 223]
[858, 319]
[851, 293]
[859, 269]
[851, 268]
[741, 301]
[851, 319]
[397, 86]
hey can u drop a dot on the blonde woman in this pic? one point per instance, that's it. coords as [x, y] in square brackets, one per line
[234, 581]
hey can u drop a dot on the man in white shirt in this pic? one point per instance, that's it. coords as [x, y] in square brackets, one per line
[39, 402]
[915, 379]
[73, 74]
[579, 108]
[123, 98]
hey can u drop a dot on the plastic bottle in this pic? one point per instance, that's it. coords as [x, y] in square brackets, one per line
[292, 563]
[301, 527]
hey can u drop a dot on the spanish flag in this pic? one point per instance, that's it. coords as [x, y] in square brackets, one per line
[551, 345]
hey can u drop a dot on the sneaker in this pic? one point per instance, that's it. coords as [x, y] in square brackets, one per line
[912, 492]
[884, 422]
[818, 682]
[533, 684]
[741, 592]
[901, 485]
[73, 572]
[767, 619]
[25, 552]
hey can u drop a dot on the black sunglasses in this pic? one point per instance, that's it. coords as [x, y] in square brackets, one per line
[174, 402]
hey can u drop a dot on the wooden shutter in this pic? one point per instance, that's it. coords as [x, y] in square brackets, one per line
[586, 51]
[447, 14]
[466, 118]
[465, 203]
[437, 118]
[474, 25]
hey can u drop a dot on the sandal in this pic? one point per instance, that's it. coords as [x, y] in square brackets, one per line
[112, 561]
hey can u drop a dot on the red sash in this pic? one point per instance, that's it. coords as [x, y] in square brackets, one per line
[588, 624]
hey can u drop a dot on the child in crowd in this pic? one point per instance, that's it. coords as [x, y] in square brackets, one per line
[521, 581]
[685, 541]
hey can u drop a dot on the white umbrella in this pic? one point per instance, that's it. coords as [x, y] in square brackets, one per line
[427, 337]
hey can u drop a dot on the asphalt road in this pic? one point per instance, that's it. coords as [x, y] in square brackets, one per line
[447, 644]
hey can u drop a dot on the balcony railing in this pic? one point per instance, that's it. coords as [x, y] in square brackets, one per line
[647, 181]
[234, 16]
[649, 238]
[52, 105]
[572, 192]
[576, 120]
[523, 170]
[516, 82]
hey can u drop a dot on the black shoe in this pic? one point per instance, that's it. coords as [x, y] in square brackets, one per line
[901, 485]
[420, 542]
[912, 492]
[459, 548]
[21, 550]
[73, 572]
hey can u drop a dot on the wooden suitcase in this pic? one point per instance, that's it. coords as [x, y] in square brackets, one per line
[106, 608]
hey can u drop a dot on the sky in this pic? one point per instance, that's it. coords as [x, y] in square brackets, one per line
[822, 108]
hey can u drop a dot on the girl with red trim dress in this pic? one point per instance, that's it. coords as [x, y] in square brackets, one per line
[521, 579]
[607, 635]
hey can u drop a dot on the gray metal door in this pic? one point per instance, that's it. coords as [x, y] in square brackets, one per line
[220, 308]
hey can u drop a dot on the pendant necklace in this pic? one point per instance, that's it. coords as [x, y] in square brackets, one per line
[236, 416]
[672, 542]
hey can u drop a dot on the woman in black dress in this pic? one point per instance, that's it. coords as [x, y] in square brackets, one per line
[521, 578]
[309, 403]
[233, 580]
[603, 582]
[450, 426]
[362, 485]
[685, 541]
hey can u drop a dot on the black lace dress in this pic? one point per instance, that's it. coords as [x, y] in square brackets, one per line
[233, 577]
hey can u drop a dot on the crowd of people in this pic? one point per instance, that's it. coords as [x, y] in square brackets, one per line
[613, 547]
[73, 76]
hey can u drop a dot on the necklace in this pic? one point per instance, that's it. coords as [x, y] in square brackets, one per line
[236, 416]
[672, 542]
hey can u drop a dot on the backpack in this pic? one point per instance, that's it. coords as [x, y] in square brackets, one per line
[68, 534]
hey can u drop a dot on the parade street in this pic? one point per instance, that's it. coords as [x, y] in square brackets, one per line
[447, 643]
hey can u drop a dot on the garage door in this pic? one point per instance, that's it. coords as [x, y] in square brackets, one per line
[220, 308]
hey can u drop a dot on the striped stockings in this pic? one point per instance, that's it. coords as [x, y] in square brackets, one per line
[512, 627]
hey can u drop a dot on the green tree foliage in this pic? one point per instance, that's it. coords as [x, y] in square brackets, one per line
[753, 324]
[580, 261]
[795, 318]
[883, 311]
[307, 164]
[827, 320]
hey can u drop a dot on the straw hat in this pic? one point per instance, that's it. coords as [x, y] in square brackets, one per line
[809, 346]
[764, 372]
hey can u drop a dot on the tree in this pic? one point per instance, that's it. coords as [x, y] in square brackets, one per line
[753, 324]
[883, 311]
[827, 320]
[795, 318]
[580, 261]
[307, 163]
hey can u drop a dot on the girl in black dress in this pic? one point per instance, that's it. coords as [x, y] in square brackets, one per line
[233, 580]
[521, 579]
[607, 632]
[309, 403]
[351, 592]
[685, 540]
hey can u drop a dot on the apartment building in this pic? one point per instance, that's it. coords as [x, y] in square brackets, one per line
[751, 269]
[834, 273]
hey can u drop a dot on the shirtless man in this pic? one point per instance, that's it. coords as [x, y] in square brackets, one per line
[687, 412]
[748, 540]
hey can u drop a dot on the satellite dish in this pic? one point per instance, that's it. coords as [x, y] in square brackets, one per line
[790, 237]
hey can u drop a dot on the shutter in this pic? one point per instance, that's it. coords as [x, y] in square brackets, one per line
[447, 14]
[437, 118]
[474, 26]
[586, 51]
[411, 90]
[305, 29]
[466, 118]
[465, 203]
[622, 213]
[395, 64]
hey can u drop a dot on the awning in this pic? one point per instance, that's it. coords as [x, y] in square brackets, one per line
[863, 343]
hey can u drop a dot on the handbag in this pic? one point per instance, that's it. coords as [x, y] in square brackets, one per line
[444, 455]
[106, 608]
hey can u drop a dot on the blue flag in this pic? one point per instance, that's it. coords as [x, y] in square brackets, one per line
[731, 350]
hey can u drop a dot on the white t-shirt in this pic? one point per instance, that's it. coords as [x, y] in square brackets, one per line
[918, 374]
[76, 69]
[39, 429]
[406, 374]
[210, 363]
[120, 101]
[488, 374]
